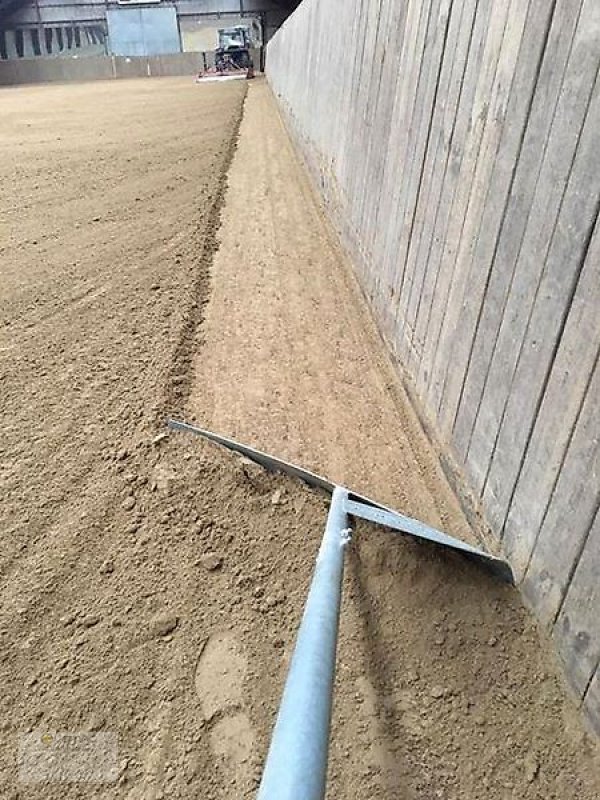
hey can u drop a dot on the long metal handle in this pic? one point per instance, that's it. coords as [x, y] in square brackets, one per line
[296, 766]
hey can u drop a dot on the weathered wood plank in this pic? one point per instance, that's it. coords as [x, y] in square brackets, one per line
[355, 123]
[386, 284]
[335, 88]
[383, 121]
[436, 55]
[558, 415]
[564, 138]
[343, 153]
[434, 166]
[393, 153]
[506, 131]
[434, 181]
[547, 91]
[549, 35]
[440, 276]
[359, 176]
[577, 629]
[479, 115]
[551, 303]
[591, 703]
[485, 47]
[375, 140]
[342, 163]
[570, 514]
[418, 142]
[490, 179]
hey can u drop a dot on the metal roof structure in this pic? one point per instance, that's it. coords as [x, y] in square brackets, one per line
[8, 6]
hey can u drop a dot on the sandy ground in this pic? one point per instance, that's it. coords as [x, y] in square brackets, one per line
[151, 585]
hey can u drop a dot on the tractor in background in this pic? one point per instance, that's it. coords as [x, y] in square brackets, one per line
[232, 56]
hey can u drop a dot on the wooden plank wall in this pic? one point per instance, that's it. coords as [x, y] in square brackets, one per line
[457, 147]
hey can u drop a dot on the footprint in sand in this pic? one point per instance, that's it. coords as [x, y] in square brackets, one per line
[219, 684]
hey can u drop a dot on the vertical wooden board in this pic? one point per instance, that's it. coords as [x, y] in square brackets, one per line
[484, 81]
[355, 121]
[305, 40]
[427, 66]
[571, 511]
[435, 57]
[356, 42]
[444, 105]
[361, 167]
[456, 402]
[577, 628]
[390, 76]
[378, 116]
[330, 96]
[552, 299]
[302, 35]
[535, 97]
[554, 174]
[356, 135]
[321, 37]
[381, 43]
[471, 265]
[368, 149]
[385, 131]
[434, 181]
[370, 34]
[358, 175]
[351, 121]
[335, 99]
[513, 227]
[409, 68]
[353, 14]
[385, 285]
[393, 259]
[393, 161]
[338, 92]
[557, 418]
[441, 125]
[436, 264]
[591, 703]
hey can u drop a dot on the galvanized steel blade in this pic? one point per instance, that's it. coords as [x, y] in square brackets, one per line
[264, 459]
[381, 515]
[358, 505]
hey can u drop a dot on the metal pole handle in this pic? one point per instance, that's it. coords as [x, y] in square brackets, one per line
[296, 766]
